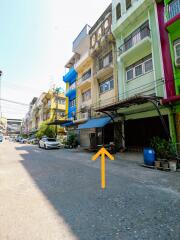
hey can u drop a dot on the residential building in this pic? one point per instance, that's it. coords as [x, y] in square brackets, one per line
[83, 67]
[48, 107]
[70, 79]
[103, 82]
[53, 105]
[141, 82]
[169, 25]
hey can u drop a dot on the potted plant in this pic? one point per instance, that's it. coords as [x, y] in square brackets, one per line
[165, 151]
[158, 145]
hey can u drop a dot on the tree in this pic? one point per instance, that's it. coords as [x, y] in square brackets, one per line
[46, 130]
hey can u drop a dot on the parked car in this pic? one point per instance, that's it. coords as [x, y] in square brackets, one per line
[49, 143]
[23, 140]
[32, 140]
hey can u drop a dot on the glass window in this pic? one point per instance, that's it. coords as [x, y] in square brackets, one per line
[148, 66]
[99, 33]
[118, 11]
[138, 70]
[61, 101]
[86, 75]
[129, 74]
[106, 85]
[86, 95]
[177, 49]
[128, 4]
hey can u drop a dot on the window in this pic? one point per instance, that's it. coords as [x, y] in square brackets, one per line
[148, 66]
[173, 8]
[118, 11]
[106, 24]
[105, 61]
[139, 68]
[86, 75]
[72, 103]
[129, 74]
[61, 101]
[93, 40]
[86, 95]
[177, 48]
[106, 85]
[128, 4]
[99, 33]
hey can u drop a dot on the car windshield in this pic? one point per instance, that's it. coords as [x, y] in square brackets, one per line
[51, 140]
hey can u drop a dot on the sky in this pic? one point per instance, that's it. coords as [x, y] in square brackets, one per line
[36, 42]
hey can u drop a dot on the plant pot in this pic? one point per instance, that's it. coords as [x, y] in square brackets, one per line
[157, 164]
[173, 165]
[165, 165]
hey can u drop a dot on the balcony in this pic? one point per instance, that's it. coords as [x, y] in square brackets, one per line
[174, 8]
[104, 66]
[134, 39]
[83, 36]
[85, 79]
[71, 76]
[138, 7]
[71, 93]
[84, 58]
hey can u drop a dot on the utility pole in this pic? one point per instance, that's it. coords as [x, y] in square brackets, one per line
[0, 94]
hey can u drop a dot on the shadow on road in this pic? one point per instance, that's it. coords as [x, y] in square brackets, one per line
[126, 210]
[73, 189]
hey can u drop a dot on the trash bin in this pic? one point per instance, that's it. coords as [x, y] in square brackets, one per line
[149, 156]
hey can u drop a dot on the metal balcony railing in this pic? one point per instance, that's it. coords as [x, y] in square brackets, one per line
[136, 37]
[174, 8]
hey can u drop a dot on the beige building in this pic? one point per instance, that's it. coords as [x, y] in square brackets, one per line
[97, 82]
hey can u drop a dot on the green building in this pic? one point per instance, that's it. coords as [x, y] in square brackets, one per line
[172, 26]
[141, 74]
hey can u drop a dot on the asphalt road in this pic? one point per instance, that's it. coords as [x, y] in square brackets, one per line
[56, 195]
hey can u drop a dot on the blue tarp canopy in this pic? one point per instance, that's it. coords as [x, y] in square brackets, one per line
[95, 123]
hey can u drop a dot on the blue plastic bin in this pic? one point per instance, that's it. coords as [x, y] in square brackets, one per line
[149, 156]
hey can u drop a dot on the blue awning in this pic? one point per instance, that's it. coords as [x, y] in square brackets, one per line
[95, 123]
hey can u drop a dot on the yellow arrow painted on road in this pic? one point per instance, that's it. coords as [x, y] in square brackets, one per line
[102, 152]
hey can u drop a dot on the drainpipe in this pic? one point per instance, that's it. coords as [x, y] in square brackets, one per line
[170, 100]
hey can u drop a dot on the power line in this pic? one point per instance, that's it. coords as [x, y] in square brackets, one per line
[14, 102]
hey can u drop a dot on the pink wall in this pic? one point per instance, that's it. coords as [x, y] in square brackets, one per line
[166, 55]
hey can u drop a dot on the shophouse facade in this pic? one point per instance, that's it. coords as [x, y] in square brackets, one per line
[83, 67]
[141, 80]
[100, 129]
[169, 24]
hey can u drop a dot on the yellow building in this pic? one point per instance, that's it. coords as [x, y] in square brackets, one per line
[53, 106]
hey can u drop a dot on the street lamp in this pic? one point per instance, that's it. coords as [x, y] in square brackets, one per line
[0, 93]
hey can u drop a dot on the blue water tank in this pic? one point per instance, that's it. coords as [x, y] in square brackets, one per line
[149, 156]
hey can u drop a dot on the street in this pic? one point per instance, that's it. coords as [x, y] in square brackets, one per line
[56, 195]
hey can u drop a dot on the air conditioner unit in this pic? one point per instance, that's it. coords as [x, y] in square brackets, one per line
[177, 57]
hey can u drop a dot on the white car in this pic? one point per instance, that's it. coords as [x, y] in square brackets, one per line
[49, 143]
